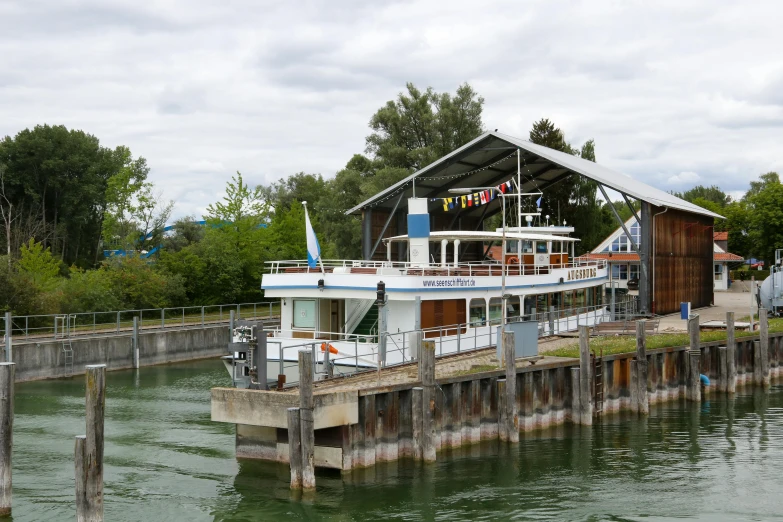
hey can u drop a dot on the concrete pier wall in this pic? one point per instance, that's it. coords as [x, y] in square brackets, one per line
[46, 359]
[468, 407]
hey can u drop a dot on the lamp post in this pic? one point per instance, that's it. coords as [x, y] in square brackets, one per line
[503, 296]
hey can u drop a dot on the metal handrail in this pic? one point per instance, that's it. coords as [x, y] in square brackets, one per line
[116, 321]
[277, 267]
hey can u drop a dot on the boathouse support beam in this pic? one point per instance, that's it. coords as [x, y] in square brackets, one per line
[645, 272]
[367, 234]
[386, 225]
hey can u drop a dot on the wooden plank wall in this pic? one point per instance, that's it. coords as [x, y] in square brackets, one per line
[682, 264]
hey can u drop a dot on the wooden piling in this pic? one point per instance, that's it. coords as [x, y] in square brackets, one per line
[634, 385]
[417, 413]
[693, 377]
[306, 418]
[7, 371]
[731, 354]
[9, 331]
[585, 393]
[502, 410]
[764, 346]
[511, 415]
[576, 396]
[427, 361]
[89, 448]
[723, 378]
[641, 369]
[295, 447]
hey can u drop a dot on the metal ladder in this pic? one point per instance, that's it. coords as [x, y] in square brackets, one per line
[68, 356]
[67, 322]
[598, 381]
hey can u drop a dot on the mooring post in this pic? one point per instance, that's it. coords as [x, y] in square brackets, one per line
[428, 400]
[9, 329]
[136, 342]
[295, 447]
[417, 418]
[693, 377]
[764, 346]
[642, 368]
[7, 371]
[634, 369]
[306, 418]
[89, 448]
[512, 415]
[576, 396]
[731, 354]
[585, 393]
[551, 319]
[502, 410]
[693, 387]
[723, 370]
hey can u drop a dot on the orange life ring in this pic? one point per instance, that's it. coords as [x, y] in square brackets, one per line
[332, 349]
[512, 260]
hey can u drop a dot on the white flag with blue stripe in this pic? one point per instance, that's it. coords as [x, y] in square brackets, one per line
[313, 248]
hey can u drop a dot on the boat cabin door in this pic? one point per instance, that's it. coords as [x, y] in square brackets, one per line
[336, 318]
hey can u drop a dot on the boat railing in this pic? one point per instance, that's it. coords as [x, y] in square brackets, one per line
[354, 356]
[402, 268]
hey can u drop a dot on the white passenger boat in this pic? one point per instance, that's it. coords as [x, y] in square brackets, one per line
[334, 308]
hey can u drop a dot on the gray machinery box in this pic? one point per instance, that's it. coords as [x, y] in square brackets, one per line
[525, 339]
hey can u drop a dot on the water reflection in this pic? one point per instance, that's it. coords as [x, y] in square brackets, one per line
[165, 460]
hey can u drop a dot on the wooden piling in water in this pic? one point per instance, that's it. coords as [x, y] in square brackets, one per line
[417, 414]
[634, 385]
[7, 370]
[764, 346]
[731, 354]
[427, 362]
[89, 448]
[576, 398]
[306, 419]
[585, 393]
[723, 377]
[295, 447]
[693, 386]
[642, 369]
[511, 416]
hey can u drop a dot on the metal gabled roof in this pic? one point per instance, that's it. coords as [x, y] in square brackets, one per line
[491, 159]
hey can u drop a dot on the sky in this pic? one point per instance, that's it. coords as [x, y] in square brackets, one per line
[674, 93]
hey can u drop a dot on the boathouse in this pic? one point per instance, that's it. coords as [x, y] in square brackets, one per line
[674, 243]
[624, 261]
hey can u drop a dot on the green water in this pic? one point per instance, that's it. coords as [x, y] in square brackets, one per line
[165, 460]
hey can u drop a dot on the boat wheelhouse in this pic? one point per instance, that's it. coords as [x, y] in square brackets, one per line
[458, 303]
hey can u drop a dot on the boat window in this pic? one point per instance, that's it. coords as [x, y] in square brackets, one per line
[495, 307]
[541, 247]
[478, 312]
[579, 298]
[512, 307]
[304, 313]
[527, 247]
[599, 295]
[541, 303]
[512, 246]
[557, 247]
[568, 300]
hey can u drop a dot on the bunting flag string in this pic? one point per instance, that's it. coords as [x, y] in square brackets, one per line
[479, 198]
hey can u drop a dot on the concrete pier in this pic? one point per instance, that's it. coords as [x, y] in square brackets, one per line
[421, 409]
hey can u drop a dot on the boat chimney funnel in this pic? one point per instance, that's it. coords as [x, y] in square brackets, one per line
[418, 232]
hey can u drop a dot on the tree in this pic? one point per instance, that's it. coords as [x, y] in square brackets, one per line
[239, 203]
[419, 127]
[61, 175]
[38, 264]
[766, 215]
[574, 199]
[712, 194]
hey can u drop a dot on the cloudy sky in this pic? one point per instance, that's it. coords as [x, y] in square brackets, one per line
[675, 93]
